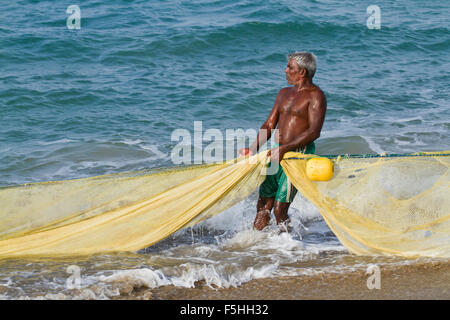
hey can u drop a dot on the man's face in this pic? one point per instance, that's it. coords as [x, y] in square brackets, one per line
[292, 72]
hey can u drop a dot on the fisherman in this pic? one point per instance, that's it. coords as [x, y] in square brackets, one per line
[299, 112]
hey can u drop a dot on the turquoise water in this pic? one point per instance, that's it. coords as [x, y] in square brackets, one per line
[107, 97]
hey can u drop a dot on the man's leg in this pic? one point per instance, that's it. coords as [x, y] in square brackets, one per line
[263, 208]
[281, 215]
[283, 199]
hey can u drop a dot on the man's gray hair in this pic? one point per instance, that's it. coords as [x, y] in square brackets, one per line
[305, 60]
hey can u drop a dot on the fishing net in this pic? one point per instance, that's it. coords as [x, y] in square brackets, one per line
[390, 205]
[393, 205]
[119, 212]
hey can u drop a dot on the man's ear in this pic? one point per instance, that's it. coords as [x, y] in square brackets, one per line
[303, 73]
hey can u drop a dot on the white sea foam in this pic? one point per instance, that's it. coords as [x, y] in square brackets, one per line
[154, 149]
[373, 145]
[187, 275]
[304, 208]
[138, 278]
[247, 255]
[240, 216]
[131, 142]
[60, 141]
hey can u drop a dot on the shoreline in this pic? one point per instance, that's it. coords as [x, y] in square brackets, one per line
[411, 282]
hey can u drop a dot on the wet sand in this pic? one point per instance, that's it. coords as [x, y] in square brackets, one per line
[423, 281]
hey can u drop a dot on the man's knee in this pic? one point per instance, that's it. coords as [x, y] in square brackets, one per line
[265, 203]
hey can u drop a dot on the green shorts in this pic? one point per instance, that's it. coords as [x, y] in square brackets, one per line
[278, 185]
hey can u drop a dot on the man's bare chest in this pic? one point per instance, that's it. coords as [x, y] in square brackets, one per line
[294, 106]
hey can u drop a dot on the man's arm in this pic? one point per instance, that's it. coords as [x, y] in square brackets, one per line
[316, 117]
[265, 132]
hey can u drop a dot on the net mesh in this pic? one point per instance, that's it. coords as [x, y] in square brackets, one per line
[384, 205]
[392, 205]
[119, 212]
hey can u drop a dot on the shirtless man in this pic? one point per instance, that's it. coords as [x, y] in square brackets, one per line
[299, 112]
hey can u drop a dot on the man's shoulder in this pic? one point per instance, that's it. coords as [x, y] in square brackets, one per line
[316, 89]
[316, 92]
[284, 90]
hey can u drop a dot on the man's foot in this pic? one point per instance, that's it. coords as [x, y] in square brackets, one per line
[281, 215]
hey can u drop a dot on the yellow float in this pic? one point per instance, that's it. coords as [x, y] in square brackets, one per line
[319, 169]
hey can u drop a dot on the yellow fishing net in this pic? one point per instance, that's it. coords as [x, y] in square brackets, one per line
[119, 212]
[386, 205]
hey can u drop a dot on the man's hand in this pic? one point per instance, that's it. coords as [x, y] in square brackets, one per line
[276, 154]
[245, 152]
